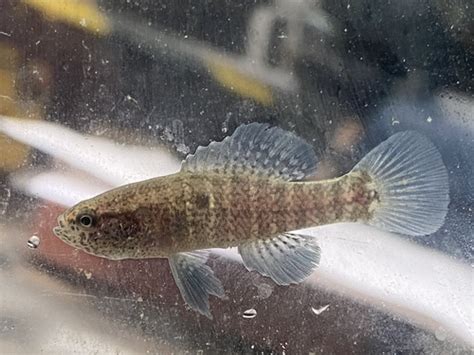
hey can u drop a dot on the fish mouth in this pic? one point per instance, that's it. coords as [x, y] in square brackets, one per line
[57, 231]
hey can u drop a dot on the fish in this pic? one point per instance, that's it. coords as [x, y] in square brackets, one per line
[253, 190]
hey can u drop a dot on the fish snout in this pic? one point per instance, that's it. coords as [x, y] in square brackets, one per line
[57, 230]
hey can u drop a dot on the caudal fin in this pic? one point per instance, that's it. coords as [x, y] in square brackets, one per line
[412, 184]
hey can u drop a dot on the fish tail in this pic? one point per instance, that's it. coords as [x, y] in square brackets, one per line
[411, 185]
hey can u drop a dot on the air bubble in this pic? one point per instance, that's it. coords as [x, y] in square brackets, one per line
[249, 313]
[33, 242]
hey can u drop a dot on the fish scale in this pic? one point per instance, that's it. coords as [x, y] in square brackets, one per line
[246, 214]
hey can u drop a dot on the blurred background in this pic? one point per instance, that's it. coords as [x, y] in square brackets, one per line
[95, 94]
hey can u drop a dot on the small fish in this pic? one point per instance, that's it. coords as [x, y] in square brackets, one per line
[248, 191]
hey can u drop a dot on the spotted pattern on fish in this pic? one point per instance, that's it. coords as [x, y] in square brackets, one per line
[227, 203]
[187, 211]
[248, 191]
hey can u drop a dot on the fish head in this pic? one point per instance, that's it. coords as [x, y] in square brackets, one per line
[100, 230]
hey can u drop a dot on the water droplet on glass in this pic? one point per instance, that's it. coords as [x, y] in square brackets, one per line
[182, 148]
[440, 334]
[249, 313]
[264, 290]
[4, 198]
[320, 310]
[33, 242]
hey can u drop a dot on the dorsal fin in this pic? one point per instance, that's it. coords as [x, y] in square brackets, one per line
[259, 149]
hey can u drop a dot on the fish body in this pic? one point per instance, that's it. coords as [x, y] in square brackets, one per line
[188, 211]
[250, 191]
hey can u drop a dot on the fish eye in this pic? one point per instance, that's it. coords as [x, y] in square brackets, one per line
[86, 220]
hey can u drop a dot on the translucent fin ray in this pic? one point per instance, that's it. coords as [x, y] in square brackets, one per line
[412, 183]
[260, 149]
[195, 280]
[288, 258]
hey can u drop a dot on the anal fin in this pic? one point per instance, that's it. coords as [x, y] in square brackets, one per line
[195, 280]
[288, 258]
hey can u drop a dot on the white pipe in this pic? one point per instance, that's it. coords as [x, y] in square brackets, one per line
[106, 160]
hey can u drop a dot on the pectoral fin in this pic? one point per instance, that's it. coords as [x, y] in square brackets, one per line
[195, 280]
[287, 258]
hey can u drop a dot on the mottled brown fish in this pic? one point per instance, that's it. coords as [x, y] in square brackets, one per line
[247, 191]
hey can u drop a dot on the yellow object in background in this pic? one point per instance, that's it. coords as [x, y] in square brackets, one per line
[240, 83]
[12, 154]
[79, 13]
